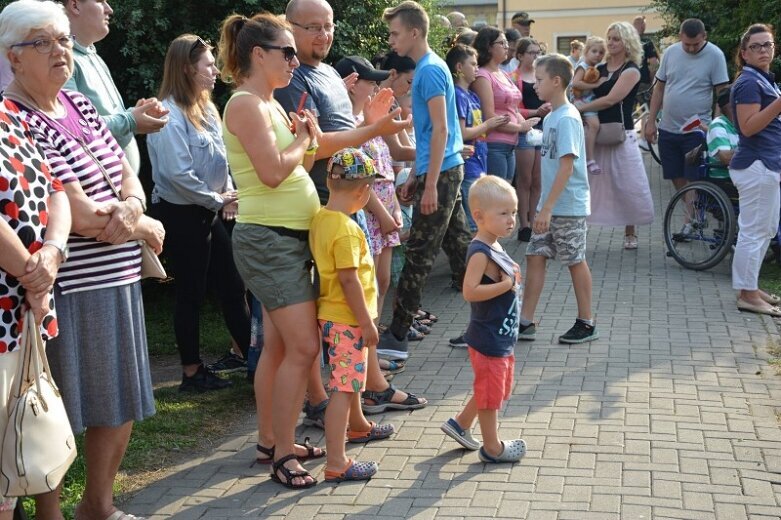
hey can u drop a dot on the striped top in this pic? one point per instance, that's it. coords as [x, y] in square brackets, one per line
[91, 264]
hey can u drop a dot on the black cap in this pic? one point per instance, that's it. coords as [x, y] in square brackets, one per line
[522, 18]
[362, 66]
[400, 64]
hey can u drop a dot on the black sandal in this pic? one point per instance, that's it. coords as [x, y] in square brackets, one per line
[290, 474]
[269, 453]
[383, 401]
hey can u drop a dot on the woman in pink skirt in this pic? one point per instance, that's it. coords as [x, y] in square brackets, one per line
[620, 194]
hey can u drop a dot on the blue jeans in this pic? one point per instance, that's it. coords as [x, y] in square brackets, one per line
[465, 185]
[501, 160]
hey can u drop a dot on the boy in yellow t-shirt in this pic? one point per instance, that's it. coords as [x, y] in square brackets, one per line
[346, 309]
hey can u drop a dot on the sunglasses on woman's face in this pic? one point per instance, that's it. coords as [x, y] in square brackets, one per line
[287, 52]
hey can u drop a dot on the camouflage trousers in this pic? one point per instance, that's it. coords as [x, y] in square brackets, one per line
[446, 228]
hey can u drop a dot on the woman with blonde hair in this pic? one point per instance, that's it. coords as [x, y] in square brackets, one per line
[620, 195]
[269, 153]
[193, 194]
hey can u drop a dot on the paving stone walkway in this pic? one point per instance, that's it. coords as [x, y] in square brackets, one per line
[670, 414]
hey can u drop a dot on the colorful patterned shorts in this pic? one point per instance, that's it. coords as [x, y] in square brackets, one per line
[347, 356]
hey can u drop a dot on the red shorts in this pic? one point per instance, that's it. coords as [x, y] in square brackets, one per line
[346, 356]
[493, 379]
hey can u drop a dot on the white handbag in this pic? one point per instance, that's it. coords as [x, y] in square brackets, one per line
[38, 447]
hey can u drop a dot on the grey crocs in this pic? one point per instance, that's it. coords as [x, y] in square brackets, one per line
[512, 452]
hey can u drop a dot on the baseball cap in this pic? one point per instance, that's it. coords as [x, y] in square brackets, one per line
[355, 164]
[400, 64]
[362, 66]
[522, 18]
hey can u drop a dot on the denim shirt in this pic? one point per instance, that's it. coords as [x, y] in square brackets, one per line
[189, 166]
[756, 87]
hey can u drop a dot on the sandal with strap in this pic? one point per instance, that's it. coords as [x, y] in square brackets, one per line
[375, 433]
[392, 366]
[382, 401]
[414, 335]
[290, 474]
[425, 315]
[512, 451]
[353, 471]
[418, 326]
[265, 455]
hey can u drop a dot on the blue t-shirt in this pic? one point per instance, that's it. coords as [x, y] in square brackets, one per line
[432, 79]
[328, 99]
[563, 135]
[493, 324]
[468, 107]
[756, 87]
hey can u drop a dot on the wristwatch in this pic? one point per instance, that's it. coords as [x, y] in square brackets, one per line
[62, 247]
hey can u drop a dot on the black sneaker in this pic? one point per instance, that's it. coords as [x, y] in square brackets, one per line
[392, 348]
[204, 380]
[228, 364]
[581, 332]
[524, 234]
[315, 414]
[527, 332]
[458, 342]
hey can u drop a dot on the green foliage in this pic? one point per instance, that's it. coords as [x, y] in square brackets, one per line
[725, 20]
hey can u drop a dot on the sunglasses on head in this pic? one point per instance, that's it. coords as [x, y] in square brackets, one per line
[200, 42]
[287, 52]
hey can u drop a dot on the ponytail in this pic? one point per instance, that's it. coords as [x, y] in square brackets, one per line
[239, 35]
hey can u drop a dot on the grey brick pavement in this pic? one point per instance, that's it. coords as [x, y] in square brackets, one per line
[670, 415]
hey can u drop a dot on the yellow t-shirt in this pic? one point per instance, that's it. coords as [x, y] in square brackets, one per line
[293, 203]
[337, 242]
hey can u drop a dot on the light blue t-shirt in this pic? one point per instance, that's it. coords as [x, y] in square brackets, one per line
[432, 79]
[563, 135]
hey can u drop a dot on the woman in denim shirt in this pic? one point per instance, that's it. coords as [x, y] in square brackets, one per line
[192, 196]
[755, 169]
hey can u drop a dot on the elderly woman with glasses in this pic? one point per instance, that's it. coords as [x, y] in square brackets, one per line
[269, 155]
[100, 357]
[193, 193]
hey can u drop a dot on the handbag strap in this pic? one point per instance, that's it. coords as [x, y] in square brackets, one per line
[52, 122]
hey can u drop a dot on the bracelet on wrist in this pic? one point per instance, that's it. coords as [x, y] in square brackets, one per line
[139, 199]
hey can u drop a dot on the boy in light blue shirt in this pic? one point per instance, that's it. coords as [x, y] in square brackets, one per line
[559, 230]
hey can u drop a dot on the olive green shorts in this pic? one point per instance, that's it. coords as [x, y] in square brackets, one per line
[276, 268]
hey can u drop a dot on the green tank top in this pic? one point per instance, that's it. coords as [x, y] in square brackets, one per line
[293, 203]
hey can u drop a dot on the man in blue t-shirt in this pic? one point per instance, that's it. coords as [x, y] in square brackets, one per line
[438, 219]
[327, 97]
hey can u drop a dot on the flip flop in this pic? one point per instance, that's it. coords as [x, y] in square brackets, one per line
[743, 305]
[425, 315]
[121, 515]
[354, 471]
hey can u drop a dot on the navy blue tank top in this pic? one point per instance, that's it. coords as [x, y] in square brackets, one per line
[493, 324]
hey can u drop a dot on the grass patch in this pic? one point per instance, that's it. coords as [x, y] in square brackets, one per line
[770, 278]
[159, 298]
[185, 424]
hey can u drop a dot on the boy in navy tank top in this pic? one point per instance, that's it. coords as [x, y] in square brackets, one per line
[492, 285]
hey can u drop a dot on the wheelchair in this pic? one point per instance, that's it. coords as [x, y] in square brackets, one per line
[701, 220]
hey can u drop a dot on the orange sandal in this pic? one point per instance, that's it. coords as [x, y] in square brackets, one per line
[375, 433]
[352, 472]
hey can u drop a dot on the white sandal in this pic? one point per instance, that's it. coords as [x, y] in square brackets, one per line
[512, 452]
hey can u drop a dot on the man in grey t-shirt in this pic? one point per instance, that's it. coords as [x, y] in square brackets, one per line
[689, 73]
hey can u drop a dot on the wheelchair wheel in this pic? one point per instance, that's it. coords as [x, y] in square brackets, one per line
[699, 226]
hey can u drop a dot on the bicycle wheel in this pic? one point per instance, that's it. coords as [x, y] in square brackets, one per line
[699, 226]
